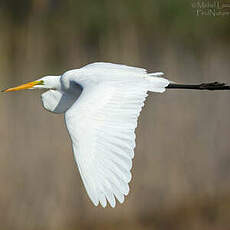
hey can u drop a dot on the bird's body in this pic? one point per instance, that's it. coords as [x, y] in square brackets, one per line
[101, 120]
[101, 102]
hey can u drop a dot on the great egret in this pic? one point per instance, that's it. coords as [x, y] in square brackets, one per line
[102, 102]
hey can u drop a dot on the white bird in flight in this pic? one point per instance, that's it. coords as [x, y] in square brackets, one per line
[101, 103]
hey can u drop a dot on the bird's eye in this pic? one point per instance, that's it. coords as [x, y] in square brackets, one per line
[41, 82]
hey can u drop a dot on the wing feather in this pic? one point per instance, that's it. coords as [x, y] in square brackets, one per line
[111, 66]
[102, 125]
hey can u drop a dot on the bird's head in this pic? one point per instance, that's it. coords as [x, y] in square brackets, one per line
[47, 82]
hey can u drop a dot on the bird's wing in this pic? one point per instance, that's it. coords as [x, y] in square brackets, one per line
[112, 66]
[101, 124]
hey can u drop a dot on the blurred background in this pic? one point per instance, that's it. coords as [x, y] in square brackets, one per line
[181, 173]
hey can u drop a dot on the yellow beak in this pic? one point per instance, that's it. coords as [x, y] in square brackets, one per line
[24, 86]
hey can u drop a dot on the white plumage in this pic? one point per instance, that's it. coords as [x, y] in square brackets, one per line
[101, 102]
[102, 126]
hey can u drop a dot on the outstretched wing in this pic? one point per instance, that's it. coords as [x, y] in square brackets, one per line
[101, 124]
[112, 66]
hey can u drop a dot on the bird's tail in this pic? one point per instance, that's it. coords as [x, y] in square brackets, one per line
[157, 83]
